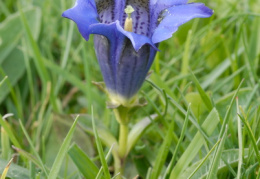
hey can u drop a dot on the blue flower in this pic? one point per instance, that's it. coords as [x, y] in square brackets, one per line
[125, 56]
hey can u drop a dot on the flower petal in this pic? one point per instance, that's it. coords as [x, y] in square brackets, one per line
[156, 7]
[167, 2]
[123, 69]
[114, 31]
[119, 6]
[132, 69]
[84, 13]
[175, 16]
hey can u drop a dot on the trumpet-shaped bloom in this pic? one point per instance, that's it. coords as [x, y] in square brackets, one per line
[126, 57]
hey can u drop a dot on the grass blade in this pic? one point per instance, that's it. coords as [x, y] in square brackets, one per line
[163, 152]
[104, 134]
[197, 142]
[38, 59]
[15, 171]
[107, 157]
[3, 80]
[137, 131]
[6, 169]
[10, 133]
[220, 69]
[5, 144]
[240, 143]
[226, 118]
[62, 152]
[202, 93]
[33, 148]
[83, 162]
[217, 156]
[230, 155]
[170, 166]
[215, 160]
[205, 158]
[66, 75]
[185, 59]
[100, 150]
[29, 156]
[251, 136]
[37, 54]
[175, 104]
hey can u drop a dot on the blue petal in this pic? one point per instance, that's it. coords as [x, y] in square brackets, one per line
[175, 16]
[119, 6]
[132, 69]
[123, 69]
[167, 2]
[156, 7]
[84, 13]
[114, 31]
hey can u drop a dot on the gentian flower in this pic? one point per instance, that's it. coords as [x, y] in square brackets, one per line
[126, 44]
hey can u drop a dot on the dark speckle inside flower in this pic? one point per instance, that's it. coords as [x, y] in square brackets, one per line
[105, 11]
[141, 18]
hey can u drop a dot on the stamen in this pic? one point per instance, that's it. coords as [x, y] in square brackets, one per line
[129, 21]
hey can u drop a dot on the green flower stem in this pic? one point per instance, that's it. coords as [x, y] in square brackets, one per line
[117, 165]
[122, 116]
[119, 160]
[123, 135]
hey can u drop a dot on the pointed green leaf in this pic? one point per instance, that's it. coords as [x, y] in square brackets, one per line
[170, 166]
[137, 131]
[36, 154]
[62, 152]
[216, 159]
[105, 135]
[202, 93]
[10, 133]
[83, 162]
[163, 152]
[100, 150]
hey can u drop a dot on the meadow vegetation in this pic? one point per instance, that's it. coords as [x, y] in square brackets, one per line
[202, 117]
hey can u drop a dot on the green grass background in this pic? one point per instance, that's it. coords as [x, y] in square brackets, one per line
[46, 76]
